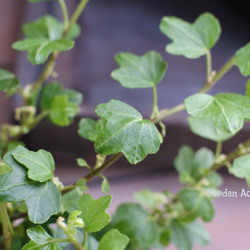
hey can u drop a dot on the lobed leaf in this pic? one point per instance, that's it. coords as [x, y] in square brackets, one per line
[42, 199]
[191, 40]
[226, 111]
[41, 164]
[139, 71]
[93, 212]
[8, 81]
[113, 240]
[126, 131]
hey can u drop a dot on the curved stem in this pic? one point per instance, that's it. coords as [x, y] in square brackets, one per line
[155, 109]
[65, 14]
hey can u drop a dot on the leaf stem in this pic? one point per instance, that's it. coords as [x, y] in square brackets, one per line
[155, 109]
[65, 14]
[7, 226]
[77, 13]
[85, 238]
[209, 63]
[218, 149]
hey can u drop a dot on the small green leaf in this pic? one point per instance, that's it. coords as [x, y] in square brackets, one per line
[4, 168]
[41, 164]
[69, 200]
[42, 199]
[8, 81]
[113, 240]
[62, 111]
[82, 163]
[226, 111]
[242, 58]
[191, 40]
[74, 221]
[132, 220]
[93, 212]
[206, 129]
[139, 71]
[196, 204]
[241, 168]
[40, 240]
[126, 131]
[105, 187]
[185, 235]
[90, 129]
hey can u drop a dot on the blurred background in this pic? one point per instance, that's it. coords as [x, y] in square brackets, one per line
[110, 27]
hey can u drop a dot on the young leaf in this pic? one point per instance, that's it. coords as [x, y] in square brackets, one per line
[8, 81]
[226, 111]
[43, 37]
[191, 40]
[241, 168]
[41, 164]
[206, 129]
[113, 240]
[139, 71]
[132, 220]
[74, 221]
[42, 199]
[40, 240]
[185, 235]
[4, 168]
[62, 111]
[105, 187]
[126, 131]
[196, 204]
[90, 129]
[93, 212]
[241, 60]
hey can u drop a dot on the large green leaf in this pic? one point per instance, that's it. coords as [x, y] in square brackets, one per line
[41, 164]
[132, 220]
[226, 111]
[185, 235]
[126, 131]
[139, 71]
[42, 199]
[242, 60]
[191, 40]
[241, 168]
[113, 240]
[40, 240]
[8, 81]
[43, 37]
[206, 129]
[93, 212]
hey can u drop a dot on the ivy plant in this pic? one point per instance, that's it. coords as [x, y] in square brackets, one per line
[39, 212]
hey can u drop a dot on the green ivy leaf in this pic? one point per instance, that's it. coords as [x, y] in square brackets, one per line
[126, 131]
[69, 200]
[132, 220]
[8, 81]
[89, 129]
[241, 168]
[226, 111]
[43, 37]
[62, 111]
[113, 240]
[242, 58]
[191, 164]
[206, 129]
[40, 240]
[191, 40]
[61, 103]
[42, 199]
[40, 164]
[4, 168]
[93, 212]
[105, 187]
[139, 71]
[196, 205]
[74, 221]
[185, 235]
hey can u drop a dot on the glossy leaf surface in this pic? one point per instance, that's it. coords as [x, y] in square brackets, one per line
[126, 131]
[226, 111]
